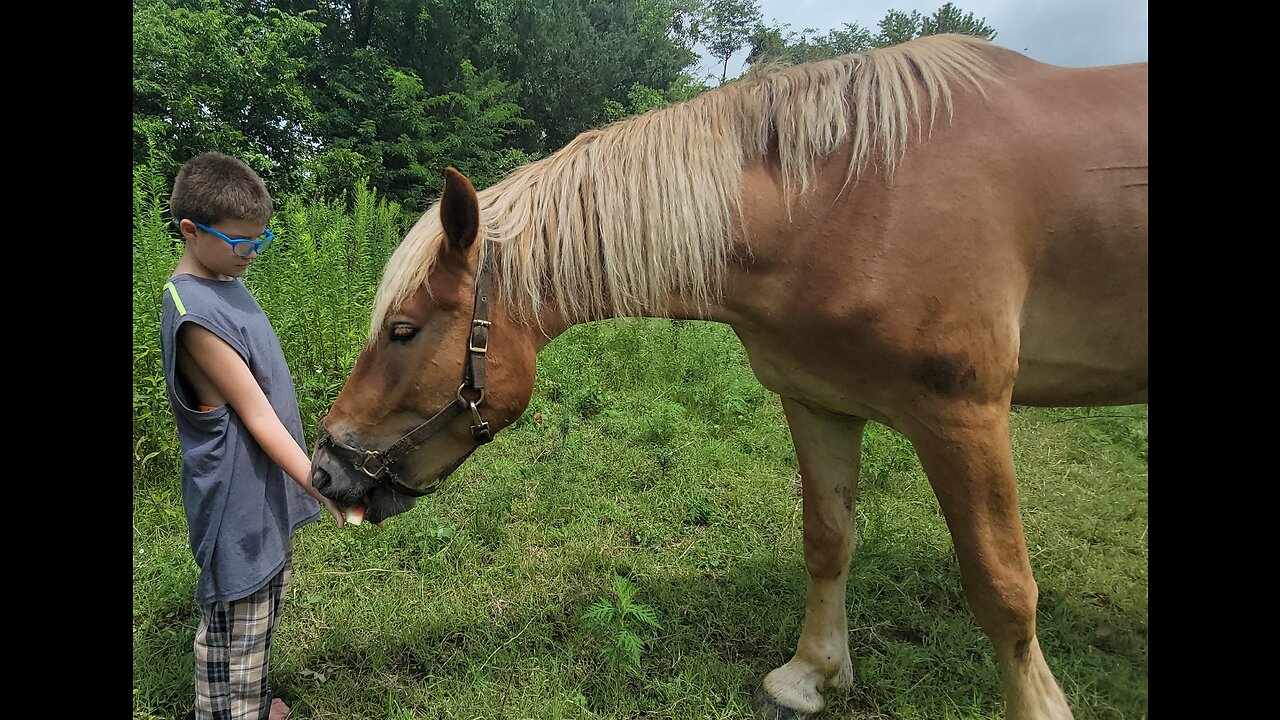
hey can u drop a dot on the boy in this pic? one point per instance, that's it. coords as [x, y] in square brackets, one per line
[241, 434]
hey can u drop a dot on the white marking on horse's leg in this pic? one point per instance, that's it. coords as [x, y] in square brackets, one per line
[1030, 691]
[967, 455]
[824, 640]
[795, 686]
[822, 653]
[829, 448]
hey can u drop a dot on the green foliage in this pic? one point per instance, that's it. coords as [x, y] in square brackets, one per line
[898, 27]
[376, 116]
[684, 87]
[779, 44]
[388, 124]
[951, 19]
[640, 99]
[318, 96]
[335, 171]
[207, 79]
[565, 58]
[699, 509]
[725, 27]
[155, 251]
[619, 620]
[476, 122]
[434, 539]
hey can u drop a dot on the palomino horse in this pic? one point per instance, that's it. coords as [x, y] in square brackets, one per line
[920, 235]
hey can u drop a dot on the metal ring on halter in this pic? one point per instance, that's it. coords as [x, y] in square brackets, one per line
[472, 403]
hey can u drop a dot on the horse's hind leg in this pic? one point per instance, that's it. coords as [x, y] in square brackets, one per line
[968, 458]
[829, 448]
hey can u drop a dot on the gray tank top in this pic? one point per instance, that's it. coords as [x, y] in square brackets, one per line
[242, 508]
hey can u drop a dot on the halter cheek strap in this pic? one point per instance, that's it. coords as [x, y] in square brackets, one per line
[379, 464]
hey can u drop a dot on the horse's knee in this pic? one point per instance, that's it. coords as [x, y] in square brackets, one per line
[827, 569]
[827, 552]
[1007, 611]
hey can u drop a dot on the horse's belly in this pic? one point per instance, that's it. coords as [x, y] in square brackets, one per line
[1065, 384]
[1079, 348]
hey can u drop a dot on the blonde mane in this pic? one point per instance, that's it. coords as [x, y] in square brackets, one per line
[631, 214]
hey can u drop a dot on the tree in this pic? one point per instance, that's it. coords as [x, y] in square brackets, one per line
[768, 44]
[204, 79]
[951, 19]
[471, 126]
[565, 58]
[725, 27]
[777, 44]
[899, 27]
[320, 94]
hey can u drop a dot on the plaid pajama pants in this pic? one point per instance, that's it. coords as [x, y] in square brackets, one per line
[233, 646]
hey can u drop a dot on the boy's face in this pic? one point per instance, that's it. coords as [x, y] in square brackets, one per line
[214, 253]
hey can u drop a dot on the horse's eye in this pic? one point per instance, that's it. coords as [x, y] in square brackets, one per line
[402, 332]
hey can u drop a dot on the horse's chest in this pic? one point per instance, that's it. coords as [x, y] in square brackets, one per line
[816, 366]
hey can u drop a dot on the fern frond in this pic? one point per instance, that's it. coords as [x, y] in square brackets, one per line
[630, 644]
[644, 613]
[624, 590]
[601, 612]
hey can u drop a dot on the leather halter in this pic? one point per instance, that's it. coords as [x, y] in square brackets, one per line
[378, 464]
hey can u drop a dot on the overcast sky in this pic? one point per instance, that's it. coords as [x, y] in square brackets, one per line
[1076, 33]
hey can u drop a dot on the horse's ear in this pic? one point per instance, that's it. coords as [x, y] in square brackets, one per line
[459, 211]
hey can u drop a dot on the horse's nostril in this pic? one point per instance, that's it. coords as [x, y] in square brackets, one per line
[320, 479]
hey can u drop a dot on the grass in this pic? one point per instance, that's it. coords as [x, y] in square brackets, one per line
[651, 453]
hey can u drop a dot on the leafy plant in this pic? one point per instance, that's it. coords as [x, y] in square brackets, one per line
[437, 535]
[699, 510]
[619, 619]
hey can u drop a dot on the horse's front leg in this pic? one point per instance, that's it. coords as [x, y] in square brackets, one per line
[966, 452]
[829, 448]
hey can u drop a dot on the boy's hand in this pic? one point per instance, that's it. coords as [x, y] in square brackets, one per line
[334, 510]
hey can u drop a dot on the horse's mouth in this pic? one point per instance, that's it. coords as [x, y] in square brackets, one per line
[376, 506]
[355, 514]
[381, 503]
[361, 501]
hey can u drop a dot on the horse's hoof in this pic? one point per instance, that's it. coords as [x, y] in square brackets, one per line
[768, 709]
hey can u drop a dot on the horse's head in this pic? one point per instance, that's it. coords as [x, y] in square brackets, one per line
[445, 370]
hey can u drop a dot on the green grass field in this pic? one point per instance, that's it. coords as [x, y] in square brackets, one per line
[656, 456]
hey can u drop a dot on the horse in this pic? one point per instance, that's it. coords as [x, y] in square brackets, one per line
[922, 235]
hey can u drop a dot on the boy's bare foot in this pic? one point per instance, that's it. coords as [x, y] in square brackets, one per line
[279, 711]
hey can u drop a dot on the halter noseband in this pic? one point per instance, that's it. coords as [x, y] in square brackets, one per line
[377, 464]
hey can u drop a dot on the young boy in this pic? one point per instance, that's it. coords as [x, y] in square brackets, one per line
[246, 477]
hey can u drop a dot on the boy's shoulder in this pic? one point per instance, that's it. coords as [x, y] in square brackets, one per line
[193, 293]
[225, 307]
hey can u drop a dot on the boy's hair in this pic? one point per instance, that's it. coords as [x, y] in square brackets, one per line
[212, 187]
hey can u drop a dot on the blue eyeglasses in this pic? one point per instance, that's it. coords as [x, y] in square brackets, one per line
[241, 246]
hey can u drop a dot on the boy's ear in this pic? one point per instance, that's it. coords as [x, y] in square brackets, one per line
[186, 228]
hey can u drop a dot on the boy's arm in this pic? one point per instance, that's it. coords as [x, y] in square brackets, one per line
[227, 371]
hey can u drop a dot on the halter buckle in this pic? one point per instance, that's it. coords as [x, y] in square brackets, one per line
[373, 456]
[471, 339]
